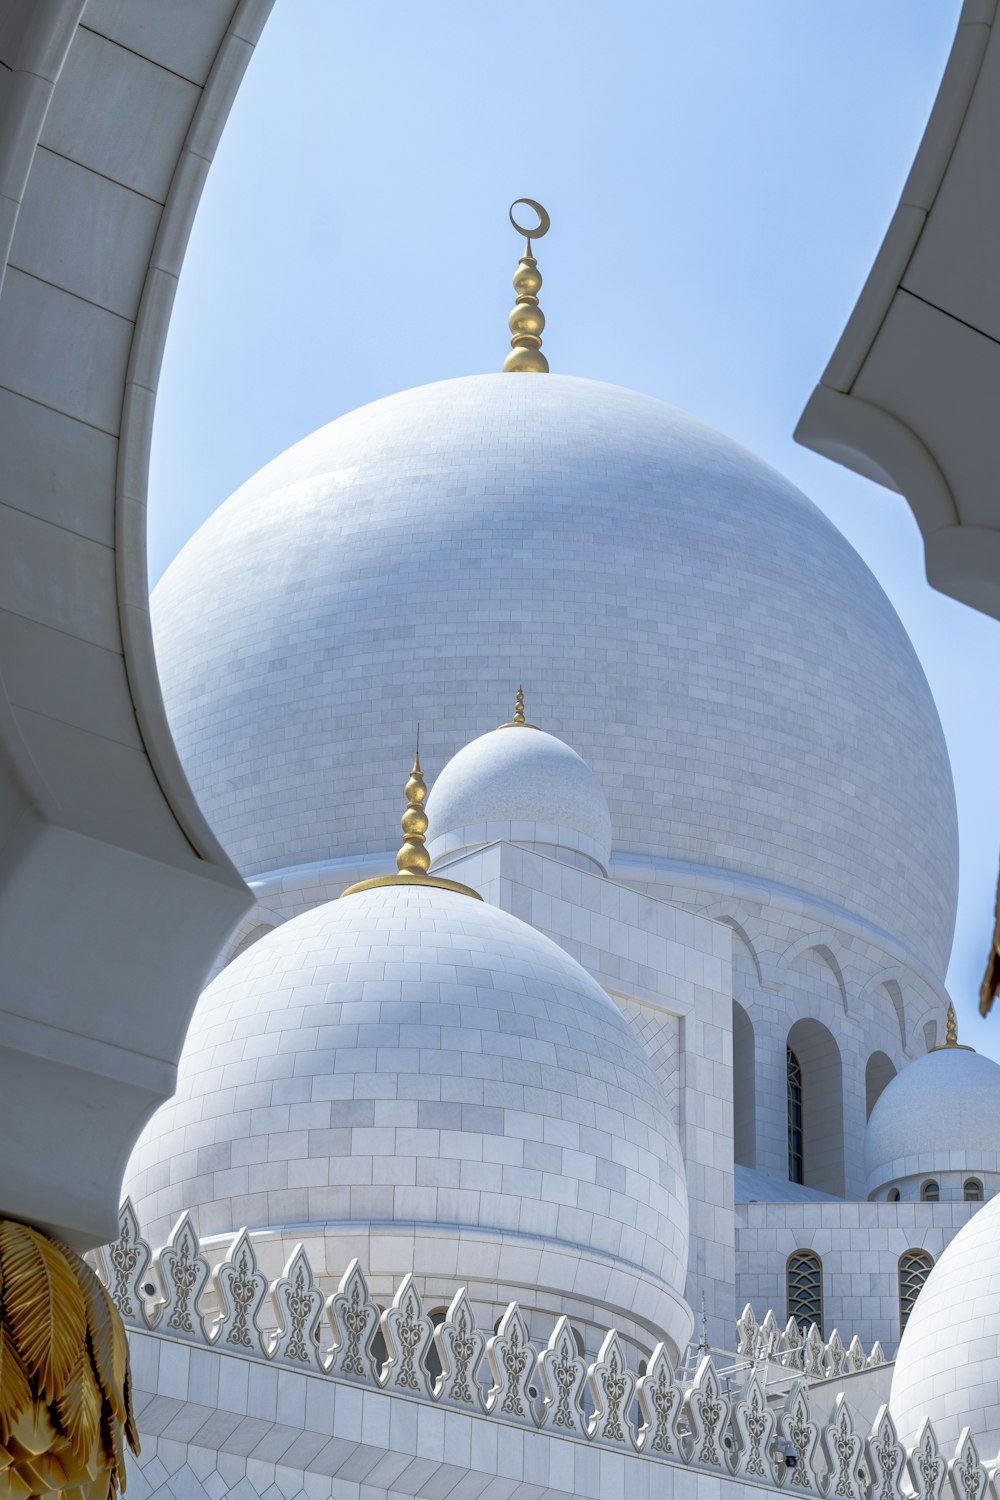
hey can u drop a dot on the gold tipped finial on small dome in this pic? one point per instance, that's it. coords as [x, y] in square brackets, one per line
[527, 320]
[518, 721]
[951, 1042]
[413, 860]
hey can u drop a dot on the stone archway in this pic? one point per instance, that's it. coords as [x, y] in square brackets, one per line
[109, 118]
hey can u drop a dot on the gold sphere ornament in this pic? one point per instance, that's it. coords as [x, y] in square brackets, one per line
[527, 320]
[527, 281]
[413, 860]
[65, 1381]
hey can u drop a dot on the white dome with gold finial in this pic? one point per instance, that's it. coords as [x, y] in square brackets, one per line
[937, 1122]
[430, 1054]
[523, 786]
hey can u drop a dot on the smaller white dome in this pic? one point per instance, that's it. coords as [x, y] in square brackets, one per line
[524, 786]
[940, 1116]
[422, 1080]
[948, 1365]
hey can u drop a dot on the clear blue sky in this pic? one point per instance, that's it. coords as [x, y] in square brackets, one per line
[719, 177]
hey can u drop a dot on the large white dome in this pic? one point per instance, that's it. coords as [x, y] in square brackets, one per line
[677, 611]
[419, 1079]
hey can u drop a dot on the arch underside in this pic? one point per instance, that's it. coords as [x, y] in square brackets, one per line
[109, 117]
[908, 398]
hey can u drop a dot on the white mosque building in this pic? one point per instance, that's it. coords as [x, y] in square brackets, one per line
[603, 1139]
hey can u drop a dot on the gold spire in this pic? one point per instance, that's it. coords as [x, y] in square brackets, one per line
[518, 721]
[951, 1041]
[990, 987]
[413, 860]
[527, 319]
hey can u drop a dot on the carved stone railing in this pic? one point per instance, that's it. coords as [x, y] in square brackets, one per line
[725, 1423]
[817, 1359]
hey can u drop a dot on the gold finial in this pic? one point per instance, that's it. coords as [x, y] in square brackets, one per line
[990, 987]
[413, 860]
[951, 1042]
[518, 721]
[527, 319]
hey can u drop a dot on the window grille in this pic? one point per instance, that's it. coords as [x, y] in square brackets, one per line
[804, 1275]
[914, 1269]
[794, 1117]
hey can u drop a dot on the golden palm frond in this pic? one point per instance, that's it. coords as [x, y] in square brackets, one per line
[64, 1372]
[109, 1349]
[15, 1389]
[42, 1306]
[77, 1412]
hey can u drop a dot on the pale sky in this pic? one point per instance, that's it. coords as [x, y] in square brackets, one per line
[719, 178]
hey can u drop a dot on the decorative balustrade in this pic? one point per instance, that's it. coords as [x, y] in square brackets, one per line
[725, 1422]
[807, 1352]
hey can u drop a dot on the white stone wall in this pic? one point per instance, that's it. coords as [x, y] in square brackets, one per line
[796, 960]
[214, 1425]
[670, 973]
[859, 1245]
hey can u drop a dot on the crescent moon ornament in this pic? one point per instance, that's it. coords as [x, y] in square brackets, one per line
[527, 320]
[543, 219]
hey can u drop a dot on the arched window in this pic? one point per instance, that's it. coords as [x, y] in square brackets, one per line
[744, 1106]
[804, 1277]
[930, 1191]
[894, 1195]
[914, 1269]
[794, 1116]
[972, 1190]
[815, 1107]
[879, 1073]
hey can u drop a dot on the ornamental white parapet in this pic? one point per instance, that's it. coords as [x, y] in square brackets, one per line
[746, 1419]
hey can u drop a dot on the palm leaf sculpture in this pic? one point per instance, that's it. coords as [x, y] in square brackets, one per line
[65, 1399]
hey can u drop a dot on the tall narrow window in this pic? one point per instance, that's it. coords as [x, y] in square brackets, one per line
[930, 1192]
[972, 1190]
[914, 1269]
[794, 1117]
[804, 1274]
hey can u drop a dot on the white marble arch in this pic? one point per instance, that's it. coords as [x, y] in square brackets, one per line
[110, 112]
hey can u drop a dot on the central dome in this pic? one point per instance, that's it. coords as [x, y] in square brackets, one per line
[678, 613]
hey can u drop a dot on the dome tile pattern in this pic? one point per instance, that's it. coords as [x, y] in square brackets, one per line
[414, 1063]
[677, 612]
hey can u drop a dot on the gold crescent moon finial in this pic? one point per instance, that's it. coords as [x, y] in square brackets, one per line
[544, 222]
[527, 320]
